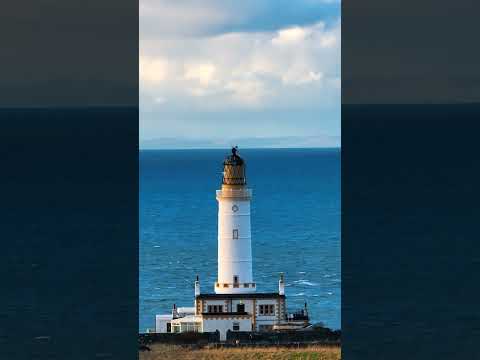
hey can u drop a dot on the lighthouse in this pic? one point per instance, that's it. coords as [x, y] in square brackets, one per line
[234, 234]
[235, 305]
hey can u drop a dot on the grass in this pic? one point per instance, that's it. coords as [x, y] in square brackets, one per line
[171, 352]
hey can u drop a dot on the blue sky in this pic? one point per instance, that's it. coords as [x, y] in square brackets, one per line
[226, 70]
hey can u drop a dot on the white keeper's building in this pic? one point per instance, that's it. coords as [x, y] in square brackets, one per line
[235, 305]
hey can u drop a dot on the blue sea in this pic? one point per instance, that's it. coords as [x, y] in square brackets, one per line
[295, 227]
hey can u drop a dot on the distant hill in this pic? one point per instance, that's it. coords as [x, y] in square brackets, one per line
[317, 141]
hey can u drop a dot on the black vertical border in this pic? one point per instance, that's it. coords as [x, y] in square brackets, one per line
[69, 180]
[410, 175]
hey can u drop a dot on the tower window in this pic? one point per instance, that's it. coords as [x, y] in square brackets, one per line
[235, 279]
[235, 233]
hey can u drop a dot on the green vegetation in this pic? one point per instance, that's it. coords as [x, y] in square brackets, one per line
[171, 352]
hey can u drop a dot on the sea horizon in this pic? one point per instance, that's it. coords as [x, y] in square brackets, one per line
[246, 148]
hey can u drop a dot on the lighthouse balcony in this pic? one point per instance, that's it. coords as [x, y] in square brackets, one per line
[235, 288]
[234, 193]
[235, 285]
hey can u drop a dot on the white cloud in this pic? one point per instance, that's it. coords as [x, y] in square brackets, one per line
[290, 36]
[289, 67]
[301, 77]
[160, 100]
[203, 73]
[153, 70]
[329, 40]
[247, 91]
[171, 18]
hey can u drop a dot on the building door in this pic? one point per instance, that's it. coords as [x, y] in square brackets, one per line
[240, 308]
[169, 327]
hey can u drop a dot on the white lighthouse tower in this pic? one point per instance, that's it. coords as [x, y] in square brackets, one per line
[234, 236]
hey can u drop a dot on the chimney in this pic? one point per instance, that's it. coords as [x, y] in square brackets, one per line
[174, 312]
[197, 286]
[281, 285]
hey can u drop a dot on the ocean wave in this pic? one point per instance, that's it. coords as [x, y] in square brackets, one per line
[305, 282]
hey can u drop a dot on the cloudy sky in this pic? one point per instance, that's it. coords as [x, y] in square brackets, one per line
[216, 72]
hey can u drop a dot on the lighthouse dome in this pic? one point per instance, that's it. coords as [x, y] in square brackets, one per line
[234, 169]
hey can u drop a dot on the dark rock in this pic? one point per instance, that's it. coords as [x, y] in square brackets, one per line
[144, 348]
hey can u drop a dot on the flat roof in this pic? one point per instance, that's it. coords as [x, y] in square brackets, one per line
[189, 319]
[164, 317]
[186, 309]
[240, 296]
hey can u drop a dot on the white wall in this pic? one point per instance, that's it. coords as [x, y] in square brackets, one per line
[161, 324]
[222, 325]
[234, 255]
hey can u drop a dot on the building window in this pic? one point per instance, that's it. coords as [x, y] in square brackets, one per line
[176, 328]
[241, 308]
[271, 309]
[236, 326]
[235, 234]
[215, 309]
[266, 309]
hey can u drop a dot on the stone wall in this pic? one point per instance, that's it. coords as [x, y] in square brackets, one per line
[189, 338]
[323, 335]
[316, 336]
